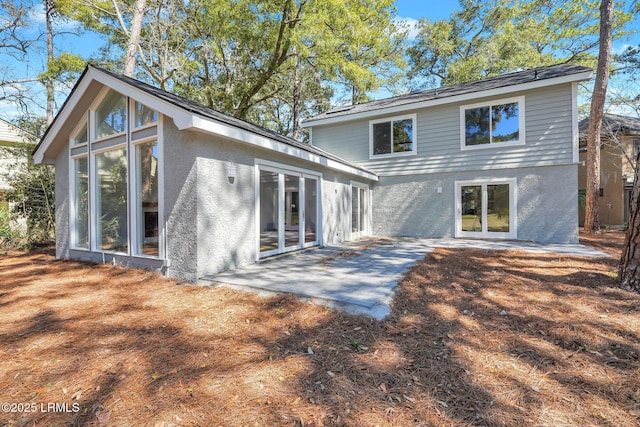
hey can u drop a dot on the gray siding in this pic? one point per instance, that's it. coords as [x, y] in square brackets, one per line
[548, 129]
[410, 206]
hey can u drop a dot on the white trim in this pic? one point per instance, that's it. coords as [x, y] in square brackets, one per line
[575, 136]
[390, 120]
[484, 234]
[217, 128]
[586, 75]
[367, 210]
[281, 170]
[84, 122]
[521, 124]
[184, 120]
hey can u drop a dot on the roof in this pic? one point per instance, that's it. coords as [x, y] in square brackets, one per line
[541, 76]
[11, 133]
[196, 112]
[612, 124]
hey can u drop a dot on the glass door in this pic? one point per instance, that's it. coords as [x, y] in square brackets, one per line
[358, 211]
[486, 209]
[288, 211]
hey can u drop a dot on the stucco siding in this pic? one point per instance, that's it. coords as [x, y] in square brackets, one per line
[226, 208]
[62, 204]
[548, 130]
[411, 206]
[180, 201]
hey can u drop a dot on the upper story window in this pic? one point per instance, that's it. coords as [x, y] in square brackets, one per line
[394, 136]
[144, 115]
[111, 115]
[498, 122]
[80, 136]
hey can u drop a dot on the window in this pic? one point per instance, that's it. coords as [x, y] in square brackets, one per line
[147, 198]
[81, 136]
[116, 201]
[392, 137]
[111, 115]
[81, 226]
[144, 115]
[501, 122]
[111, 200]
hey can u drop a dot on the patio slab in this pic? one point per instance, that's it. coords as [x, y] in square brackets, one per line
[360, 277]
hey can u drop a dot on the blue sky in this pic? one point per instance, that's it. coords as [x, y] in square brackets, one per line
[87, 44]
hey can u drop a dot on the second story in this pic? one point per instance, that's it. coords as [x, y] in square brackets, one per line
[523, 119]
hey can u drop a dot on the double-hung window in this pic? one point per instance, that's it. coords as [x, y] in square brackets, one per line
[395, 136]
[497, 122]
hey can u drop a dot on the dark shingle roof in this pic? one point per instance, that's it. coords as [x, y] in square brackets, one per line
[201, 110]
[527, 76]
[194, 107]
[611, 124]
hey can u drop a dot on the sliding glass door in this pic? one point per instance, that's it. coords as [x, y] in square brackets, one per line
[486, 209]
[288, 210]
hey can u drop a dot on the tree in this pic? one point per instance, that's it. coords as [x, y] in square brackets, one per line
[241, 56]
[592, 216]
[629, 268]
[32, 194]
[488, 38]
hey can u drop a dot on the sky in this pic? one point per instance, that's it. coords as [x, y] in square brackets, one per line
[408, 11]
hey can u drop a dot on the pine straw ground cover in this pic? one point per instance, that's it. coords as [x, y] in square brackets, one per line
[475, 338]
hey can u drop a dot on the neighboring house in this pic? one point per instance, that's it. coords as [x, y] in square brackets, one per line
[620, 142]
[495, 158]
[149, 179]
[10, 137]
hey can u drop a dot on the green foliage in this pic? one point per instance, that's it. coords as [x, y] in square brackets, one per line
[63, 68]
[11, 234]
[32, 194]
[269, 61]
[488, 38]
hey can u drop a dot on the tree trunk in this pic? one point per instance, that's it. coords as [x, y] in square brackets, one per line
[592, 216]
[49, 7]
[629, 269]
[134, 37]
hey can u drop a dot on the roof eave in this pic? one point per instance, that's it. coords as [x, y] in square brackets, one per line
[570, 78]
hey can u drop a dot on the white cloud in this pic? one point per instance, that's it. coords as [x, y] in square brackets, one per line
[617, 50]
[408, 24]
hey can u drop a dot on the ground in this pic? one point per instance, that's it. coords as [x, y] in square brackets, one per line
[475, 338]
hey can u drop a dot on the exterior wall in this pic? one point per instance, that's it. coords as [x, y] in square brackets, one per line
[615, 173]
[211, 220]
[62, 204]
[411, 206]
[548, 130]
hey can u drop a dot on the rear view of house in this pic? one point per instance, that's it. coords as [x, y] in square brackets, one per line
[495, 158]
[149, 179]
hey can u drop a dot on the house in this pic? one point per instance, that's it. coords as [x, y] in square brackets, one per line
[148, 179]
[495, 158]
[620, 142]
[10, 138]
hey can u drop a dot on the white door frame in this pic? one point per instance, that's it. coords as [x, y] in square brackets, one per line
[366, 227]
[485, 234]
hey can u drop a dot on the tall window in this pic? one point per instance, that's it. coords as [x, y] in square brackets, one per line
[111, 200]
[81, 228]
[391, 137]
[115, 179]
[501, 122]
[147, 197]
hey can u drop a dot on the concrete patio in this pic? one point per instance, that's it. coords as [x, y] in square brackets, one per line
[360, 277]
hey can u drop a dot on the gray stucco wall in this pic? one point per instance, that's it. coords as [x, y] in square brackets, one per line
[62, 204]
[547, 209]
